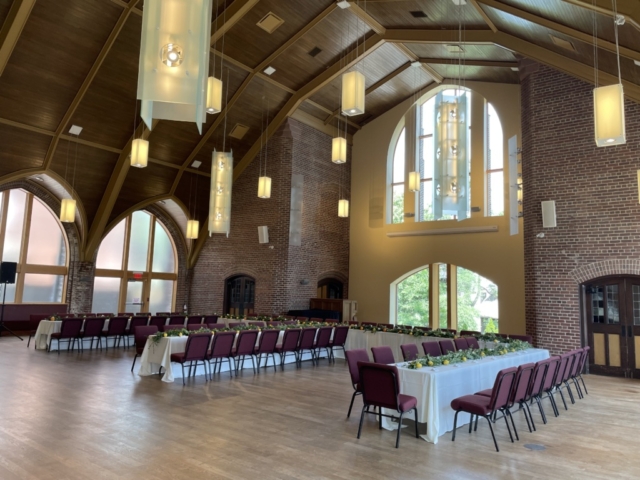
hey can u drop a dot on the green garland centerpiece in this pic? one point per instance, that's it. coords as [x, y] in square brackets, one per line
[417, 332]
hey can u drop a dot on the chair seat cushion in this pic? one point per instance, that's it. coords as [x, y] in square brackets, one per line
[485, 393]
[406, 402]
[476, 404]
[177, 357]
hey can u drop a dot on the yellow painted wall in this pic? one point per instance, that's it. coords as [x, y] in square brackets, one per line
[377, 260]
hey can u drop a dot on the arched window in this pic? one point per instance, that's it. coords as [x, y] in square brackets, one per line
[397, 180]
[459, 299]
[32, 237]
[495, 163]
[136, 268]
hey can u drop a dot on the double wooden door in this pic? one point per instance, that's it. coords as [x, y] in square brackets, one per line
[240, 296]
[613, 325]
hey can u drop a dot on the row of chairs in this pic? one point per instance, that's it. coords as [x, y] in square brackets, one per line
[295, 342]
[521, 386]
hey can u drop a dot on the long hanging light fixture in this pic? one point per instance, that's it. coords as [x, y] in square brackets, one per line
[174, 60]
[338, 143]
[414, 177]
[608, 101]
[353, 84]
[139, 146]
[68, 205]
[214, 85]
[193, 226]
[264, 182]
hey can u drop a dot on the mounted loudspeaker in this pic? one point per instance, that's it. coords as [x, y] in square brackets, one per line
[549, 214]
[263, 234]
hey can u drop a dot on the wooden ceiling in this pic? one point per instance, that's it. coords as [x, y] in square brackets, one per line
[75, 62]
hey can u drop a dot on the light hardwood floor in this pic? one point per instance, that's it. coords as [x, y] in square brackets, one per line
[78, 416]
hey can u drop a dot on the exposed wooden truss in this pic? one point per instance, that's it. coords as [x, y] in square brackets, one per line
[12, 28]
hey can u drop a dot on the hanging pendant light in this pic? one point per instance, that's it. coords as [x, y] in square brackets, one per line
[68, 210]
[343, 208]
[353, 93]
[414, 181]
[139, 153]
[264, 187]
[339, 150]
[214, 95]
[220, 194]
[193, 229]
[608, 113]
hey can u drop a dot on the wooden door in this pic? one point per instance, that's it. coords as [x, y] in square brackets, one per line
[613, 326]
[240, 296]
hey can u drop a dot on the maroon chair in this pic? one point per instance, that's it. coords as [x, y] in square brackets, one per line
[353, 358]
[323, 341]
[210, 319]
[472, 342]
[306, 343]
[331, 320]
[69, 332]
[524, 338]
[565, 360]
[317, 320]
[275, 324]
[461, 343]
[125, 314]
[447, 346]
[105, 315]
[140, 335]
[194, 327]
[143, 314]
[216, 326]
[92, 329]
[163, 314]
[236, 324]
[450, 330]
[245, 346]
[482, 406]
[405, 327]
[137, 321]
[371, 324]
[166, 328]
[424, 329]
[581, 368]
[300, 319]
[549, 383]
[267, 347]
[409, 351]
[158, 321]
[117, 330]
[381, 388]
[469, 333]
[194, 320]
[383, 354]
[535, 387]
[432, 349]
[195, 352]
[258, 324]
[221, 348]
[289, 345]
[353, 322]
[339, 339]
[176, 320]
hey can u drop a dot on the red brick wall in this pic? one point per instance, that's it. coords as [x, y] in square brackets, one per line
[295, 148]
[596, 195]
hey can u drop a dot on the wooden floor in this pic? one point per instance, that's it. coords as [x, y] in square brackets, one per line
[78, 416]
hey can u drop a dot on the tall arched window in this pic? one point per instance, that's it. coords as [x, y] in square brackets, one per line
[136, 268]
[32, 237]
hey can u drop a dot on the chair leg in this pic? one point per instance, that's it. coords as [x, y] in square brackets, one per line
[253, 364]
[361, 419]
[562, 396]
[495, 442]
[583, 385]
[470, 422]
[578, 389]
[513, 424]
[455, 423]
[544, 417]
[399, 428]
[353, 397]
[573, 400]
[29, 342]
[415, 411]
[134, 362]
[525, 409]
[504, 415]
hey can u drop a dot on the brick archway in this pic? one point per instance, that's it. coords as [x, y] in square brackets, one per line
[605, 268]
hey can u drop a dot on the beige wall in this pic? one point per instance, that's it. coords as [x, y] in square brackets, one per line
[377, 260]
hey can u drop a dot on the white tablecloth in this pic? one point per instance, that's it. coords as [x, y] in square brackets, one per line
[363, 339]
[436, 387]
[45, 328]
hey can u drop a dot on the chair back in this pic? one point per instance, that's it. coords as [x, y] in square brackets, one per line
[353, 358]
[383, 354]
[158, 321]
[461, 343]
[216, 326]
[409, 351]
[197, 346]
[472, 342]
[140, 335]
[316, 320]
[469, 333]
[288, 322]
[176, 320]
[166, 328]
[192, 327]
[290, 339]
[258, 324]
[405, 327]
[523, 379]
[562, 368]
[324, 337]
[369, 323]
[246, 342]
[353, 322]
[386, 325]
[340, 336]
[196, 319]
[210, 319]
[137, 321]
[331, 320]
[550, 375]
[585, 358]
[93, 326]
[537, 378]
[524, 338]
[302, 319]
[163, 314]
[144, 314]
[268, 341]
[577, 362]
[236, 324]
[424, 329]
[71, 327]
[117, 326]
[447, 346]
[289, 317]
[432, 349]
[379, 384]
[102, 314]
[222, 344]
[125, 314]
[501, 393]
[275, 324]
[307, 338]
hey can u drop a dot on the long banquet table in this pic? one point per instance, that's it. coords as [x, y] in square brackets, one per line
[366, 340]
[42, 337]
[436, 387]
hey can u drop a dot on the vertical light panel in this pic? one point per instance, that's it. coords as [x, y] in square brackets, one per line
[414, 181]
[264, 187]
[295, 214]
[139, 153]
[214, 95]
[339, 150]
[514, 188]
[608, 114]
[343, 208]
[68, 210]
[353, 93]
[174, 60]
[193, 229]
[220, 199]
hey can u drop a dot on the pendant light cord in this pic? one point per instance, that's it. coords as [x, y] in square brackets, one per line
[226, 100]
[615, 30]
[595, 43]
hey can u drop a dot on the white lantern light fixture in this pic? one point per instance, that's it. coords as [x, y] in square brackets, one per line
[68, 210]
[220, 195]
[414, 181]
[193, 229]
[339, 150]
[139, 153]
[353, 93]
[608, 109]
[343, 208]
[264, 187]
[214, 95]
[174, 60]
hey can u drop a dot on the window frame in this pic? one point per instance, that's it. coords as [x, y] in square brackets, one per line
[487, 162]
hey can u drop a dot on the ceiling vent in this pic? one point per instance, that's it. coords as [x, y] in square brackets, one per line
[455, 48]
[315, 51]
[75, 130]
[418, 14]
[270, 22]
[196, 164]
[239, 131]
[563, 43]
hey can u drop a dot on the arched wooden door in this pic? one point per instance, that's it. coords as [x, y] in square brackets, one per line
[239, 295]
[612, 306]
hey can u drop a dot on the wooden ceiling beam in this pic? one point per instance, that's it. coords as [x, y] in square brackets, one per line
[484, 16]
[629, 9]
[106, 48]
[366, 18]
[471, 37]
[558, 27]
[468, 63]
[374, 87]
[231, 15]
[12, 28]
[414, 58]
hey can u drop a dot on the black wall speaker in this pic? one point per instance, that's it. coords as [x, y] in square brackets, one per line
[8, 272]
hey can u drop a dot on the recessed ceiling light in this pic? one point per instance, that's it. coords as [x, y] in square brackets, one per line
[270, 22]
[75, 130]
[343, 4]
[196, 164]
[515, 69]
[269, 70]
[455, 48]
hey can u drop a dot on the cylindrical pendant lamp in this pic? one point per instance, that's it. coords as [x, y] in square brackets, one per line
[68, 210]
[339, 150]
[353, 93]
[264, 187]
[139, 153]
[343, 208]
[193, 229]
